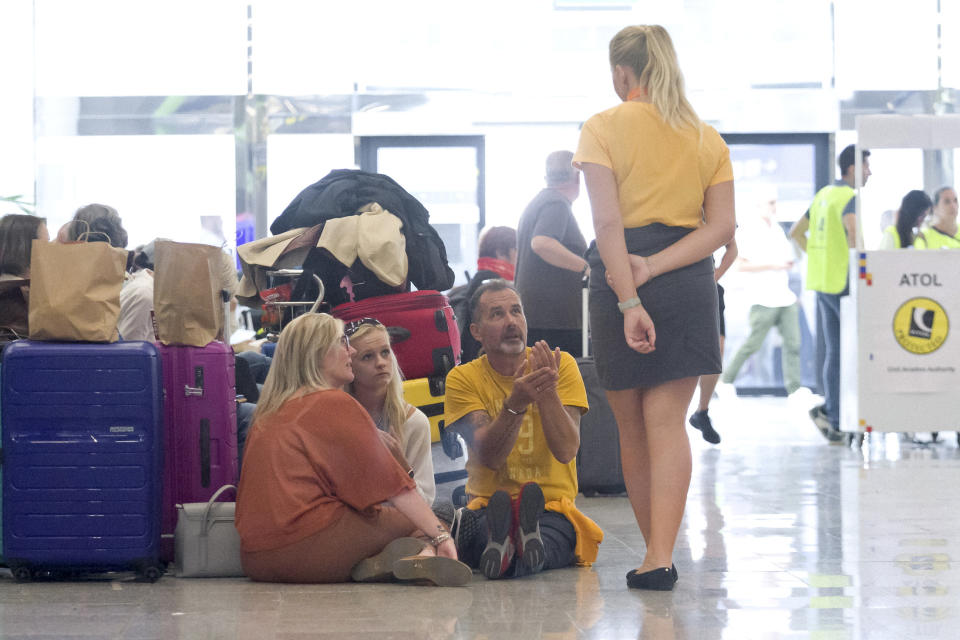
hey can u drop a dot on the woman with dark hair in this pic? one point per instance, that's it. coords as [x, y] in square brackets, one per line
[661, 189]
[17, 233]
[99, 218]
[913, 209]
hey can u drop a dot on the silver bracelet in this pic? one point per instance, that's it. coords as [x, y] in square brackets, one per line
[440, 539]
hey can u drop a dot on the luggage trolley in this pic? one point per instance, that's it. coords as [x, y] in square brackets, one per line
[296, 307]
[898, 364]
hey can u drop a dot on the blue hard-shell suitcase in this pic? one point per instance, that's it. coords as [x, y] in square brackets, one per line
[82, 458]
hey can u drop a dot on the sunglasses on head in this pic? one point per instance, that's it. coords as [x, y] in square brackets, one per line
[353, 326]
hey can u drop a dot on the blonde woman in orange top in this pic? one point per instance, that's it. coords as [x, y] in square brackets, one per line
[661, 190]
[320, 498]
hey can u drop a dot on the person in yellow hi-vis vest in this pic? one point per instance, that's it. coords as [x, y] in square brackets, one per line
[942, 232]
[914, 208]
[827, 232]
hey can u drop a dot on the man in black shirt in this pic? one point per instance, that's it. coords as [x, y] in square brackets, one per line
[550, 264]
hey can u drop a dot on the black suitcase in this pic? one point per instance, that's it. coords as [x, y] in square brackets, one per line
[598, 462]
[599, 469]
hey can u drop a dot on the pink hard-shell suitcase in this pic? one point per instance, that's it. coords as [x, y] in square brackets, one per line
[200, 428]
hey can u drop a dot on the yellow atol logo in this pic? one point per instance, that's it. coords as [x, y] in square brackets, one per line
[921, 325]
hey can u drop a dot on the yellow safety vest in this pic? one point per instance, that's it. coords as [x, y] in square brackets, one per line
[828, 253]
[930, 238]
[893, 233]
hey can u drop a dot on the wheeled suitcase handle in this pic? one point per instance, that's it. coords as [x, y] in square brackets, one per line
[205, 452]
[197, 388]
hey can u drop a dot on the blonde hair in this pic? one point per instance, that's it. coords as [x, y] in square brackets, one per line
[395, 408]
[297, 360]
[648, 51]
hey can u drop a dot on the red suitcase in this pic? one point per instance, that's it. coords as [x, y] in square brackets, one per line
[423, 329]
[200, 428]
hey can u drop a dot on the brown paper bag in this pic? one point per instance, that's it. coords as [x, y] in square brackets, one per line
[75, 291]
[187, 306]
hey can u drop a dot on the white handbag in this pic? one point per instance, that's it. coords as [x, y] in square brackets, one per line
[206, 544]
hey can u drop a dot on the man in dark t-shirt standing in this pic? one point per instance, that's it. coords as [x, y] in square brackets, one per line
[550, 264]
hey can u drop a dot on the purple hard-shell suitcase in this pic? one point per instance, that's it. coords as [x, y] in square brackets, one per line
[82, 457]
[200, 428]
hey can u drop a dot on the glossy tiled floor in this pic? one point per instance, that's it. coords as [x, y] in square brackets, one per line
[784, 537]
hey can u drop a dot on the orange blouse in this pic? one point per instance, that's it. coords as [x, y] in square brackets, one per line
[306, 464]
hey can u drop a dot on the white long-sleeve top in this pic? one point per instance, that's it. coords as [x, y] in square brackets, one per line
[416, 449]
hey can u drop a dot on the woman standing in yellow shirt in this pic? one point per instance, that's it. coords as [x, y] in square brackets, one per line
[661, 190]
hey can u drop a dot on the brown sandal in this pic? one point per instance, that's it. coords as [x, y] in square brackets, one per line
[379, 568]
[441, 571]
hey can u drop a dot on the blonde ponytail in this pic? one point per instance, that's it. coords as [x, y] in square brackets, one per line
[648, 51]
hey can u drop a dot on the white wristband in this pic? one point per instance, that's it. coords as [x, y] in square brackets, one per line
[628, 304]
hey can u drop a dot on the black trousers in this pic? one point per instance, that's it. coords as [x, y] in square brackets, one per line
[559, 541]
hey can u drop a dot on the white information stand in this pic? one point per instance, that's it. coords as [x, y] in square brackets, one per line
[900, 325]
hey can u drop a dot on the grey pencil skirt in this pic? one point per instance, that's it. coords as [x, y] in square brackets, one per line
[683, 305]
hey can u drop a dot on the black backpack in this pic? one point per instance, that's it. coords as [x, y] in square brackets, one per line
[343, 192]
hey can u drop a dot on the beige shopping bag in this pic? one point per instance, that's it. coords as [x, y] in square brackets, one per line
[187, 304]
[75, 291]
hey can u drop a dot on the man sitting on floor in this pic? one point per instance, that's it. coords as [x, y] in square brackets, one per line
[518, 409]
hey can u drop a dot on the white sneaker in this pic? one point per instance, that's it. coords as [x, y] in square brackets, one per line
[725, 391]
[801, 397]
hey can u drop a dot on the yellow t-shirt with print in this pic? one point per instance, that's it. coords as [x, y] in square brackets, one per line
[661, 172]
[475, 386]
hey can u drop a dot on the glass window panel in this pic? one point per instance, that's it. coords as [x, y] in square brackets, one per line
[444, 179]
[793, 48]
[950, 41]
[780, 172]
[16, 107]
[160, 185]
[779, 179]
[525, 47]
[122, 48]
[895, 172]
[720, 48]
[295, 161]
[886, 45]
[516, 158]
[318, 52]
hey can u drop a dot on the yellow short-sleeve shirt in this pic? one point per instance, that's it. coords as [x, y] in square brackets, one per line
[476, 386]
[661, 172]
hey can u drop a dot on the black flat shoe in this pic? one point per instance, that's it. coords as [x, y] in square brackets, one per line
[673, 572]
[655, 580]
